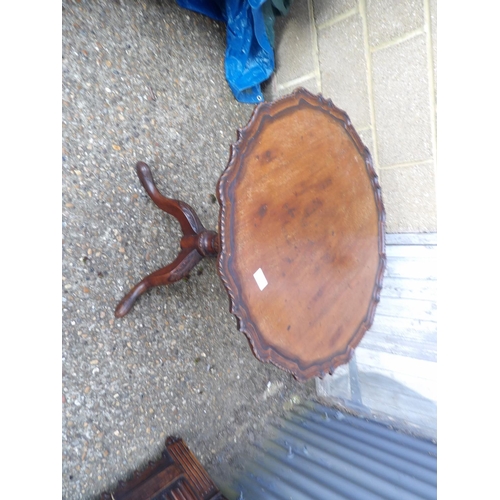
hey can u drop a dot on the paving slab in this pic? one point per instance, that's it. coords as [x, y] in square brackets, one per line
[343, 68]
[294, 43]
[402, 102]
[410, 199]
[390, 19]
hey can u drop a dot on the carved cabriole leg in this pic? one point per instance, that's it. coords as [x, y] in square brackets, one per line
[196, 243]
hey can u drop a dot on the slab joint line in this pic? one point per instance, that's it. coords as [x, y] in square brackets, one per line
[369, 83]
[407, 164]
[315, 46]
[296, 81]
[430, 68]
[398, 40]
[338, 19]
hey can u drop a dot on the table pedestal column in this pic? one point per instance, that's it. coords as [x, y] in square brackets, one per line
[196, 243]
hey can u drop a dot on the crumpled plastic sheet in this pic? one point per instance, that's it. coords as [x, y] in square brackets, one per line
[250, 40]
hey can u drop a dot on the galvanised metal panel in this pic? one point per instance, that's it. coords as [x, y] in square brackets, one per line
[319, 453]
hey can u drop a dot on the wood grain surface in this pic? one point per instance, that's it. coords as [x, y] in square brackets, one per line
[301, 206]
[177, 475]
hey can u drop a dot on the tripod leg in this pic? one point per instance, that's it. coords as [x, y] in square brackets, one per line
[175, 271]
[189, 221]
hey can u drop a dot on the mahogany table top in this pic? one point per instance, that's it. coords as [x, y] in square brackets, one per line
[301, 225]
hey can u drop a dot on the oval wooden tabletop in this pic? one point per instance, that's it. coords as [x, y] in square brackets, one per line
[302, 234]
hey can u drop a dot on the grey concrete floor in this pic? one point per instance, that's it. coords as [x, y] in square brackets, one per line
[145, 81]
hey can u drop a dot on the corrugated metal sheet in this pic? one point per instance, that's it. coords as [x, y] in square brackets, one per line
[320, 453]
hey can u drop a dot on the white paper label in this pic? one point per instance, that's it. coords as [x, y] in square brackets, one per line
[260, 279]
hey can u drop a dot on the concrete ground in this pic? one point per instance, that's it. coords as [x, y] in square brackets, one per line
[145, 81]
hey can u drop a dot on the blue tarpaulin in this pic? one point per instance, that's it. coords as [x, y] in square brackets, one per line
[250, 40]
